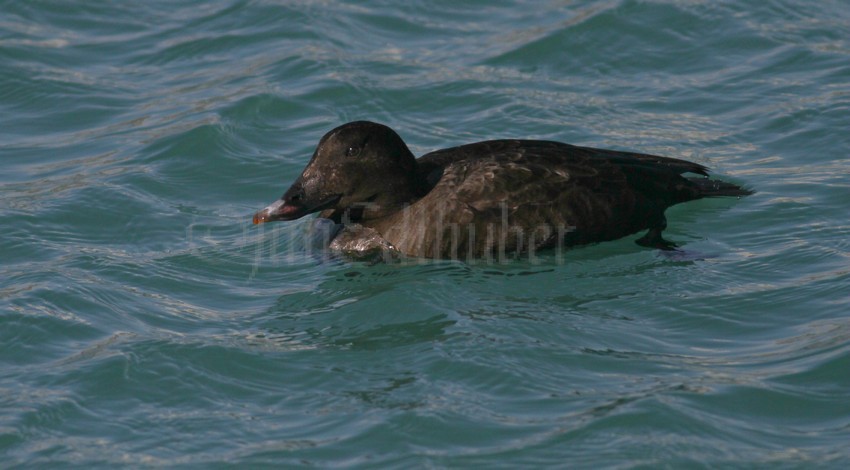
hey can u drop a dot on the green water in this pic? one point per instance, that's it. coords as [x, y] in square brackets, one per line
[145, 322]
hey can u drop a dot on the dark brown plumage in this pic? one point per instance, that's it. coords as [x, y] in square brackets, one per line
[487, 198]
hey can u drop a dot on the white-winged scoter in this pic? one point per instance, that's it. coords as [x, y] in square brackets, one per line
[480, 199]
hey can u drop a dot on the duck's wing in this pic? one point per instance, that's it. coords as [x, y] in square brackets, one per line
[577, 159]
[506, 162]
[514, 190]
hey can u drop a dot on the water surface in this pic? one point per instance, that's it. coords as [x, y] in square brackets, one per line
[145, 321]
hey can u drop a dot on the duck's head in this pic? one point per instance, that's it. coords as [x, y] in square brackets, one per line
[360, 167]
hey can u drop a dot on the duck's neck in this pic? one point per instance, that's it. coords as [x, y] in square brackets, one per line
[394, 199]
[395, 196]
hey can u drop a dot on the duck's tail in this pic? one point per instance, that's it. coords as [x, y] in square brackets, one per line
[715, 188]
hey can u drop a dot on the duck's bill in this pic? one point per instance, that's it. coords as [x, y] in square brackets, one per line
[283, 210]
[280, 210]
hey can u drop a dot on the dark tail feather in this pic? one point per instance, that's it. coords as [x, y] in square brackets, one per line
[714, 188]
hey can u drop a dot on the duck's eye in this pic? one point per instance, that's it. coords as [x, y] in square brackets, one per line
[352, 151]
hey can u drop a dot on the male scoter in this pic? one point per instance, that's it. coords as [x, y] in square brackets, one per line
[486, 198]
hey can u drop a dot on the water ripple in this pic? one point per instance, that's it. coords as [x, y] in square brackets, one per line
[146, 321]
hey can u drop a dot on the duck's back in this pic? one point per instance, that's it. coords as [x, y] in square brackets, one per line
[506, 196]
